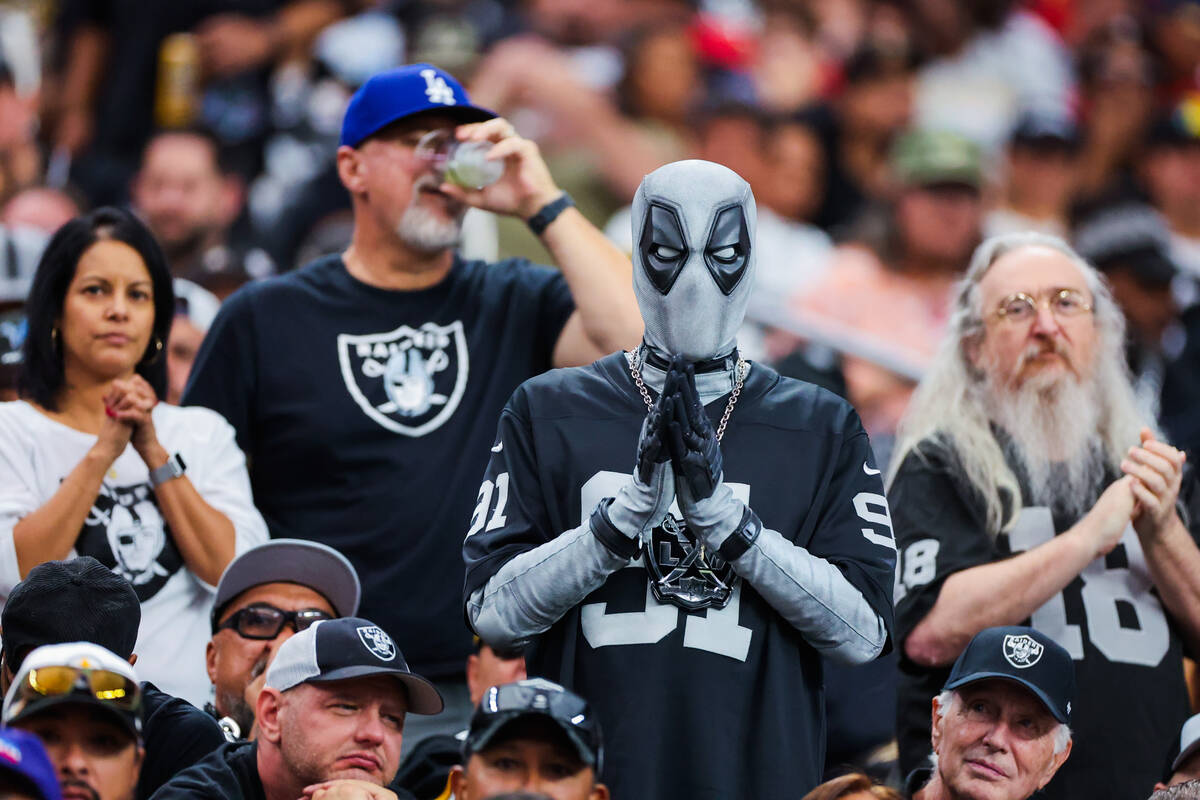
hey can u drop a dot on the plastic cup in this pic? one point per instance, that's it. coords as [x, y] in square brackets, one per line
[464, 164]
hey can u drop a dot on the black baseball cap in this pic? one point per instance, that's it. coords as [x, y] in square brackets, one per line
[312, 564]
[1178, 127]
[1024, 655]
[79, 600]
[540, 698]
[402, 92]
[1127, 234]
[348, 647]
[1046, 131]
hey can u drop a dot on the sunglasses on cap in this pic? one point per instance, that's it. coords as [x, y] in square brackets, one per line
[501, 704]
[266, 622]
[110, 688]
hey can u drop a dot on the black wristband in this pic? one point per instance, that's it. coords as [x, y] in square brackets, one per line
[542, 219]
[602, 528]
[742, 537]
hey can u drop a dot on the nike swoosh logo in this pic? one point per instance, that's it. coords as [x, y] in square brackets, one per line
[868, 470]
[499, 446]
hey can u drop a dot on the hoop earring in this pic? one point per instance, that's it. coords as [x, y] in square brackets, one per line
[54, 343]
[158, 348]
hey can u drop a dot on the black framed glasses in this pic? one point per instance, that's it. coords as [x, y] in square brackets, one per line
[261, 621]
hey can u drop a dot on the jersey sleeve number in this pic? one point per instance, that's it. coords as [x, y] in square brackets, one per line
[1103, 588]
[484, 503]
[872, 507]
[718, 631]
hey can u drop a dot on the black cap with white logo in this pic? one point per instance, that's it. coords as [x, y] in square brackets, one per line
[345, 648]
[1029, 657]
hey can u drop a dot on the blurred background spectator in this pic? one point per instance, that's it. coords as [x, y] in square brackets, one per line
[885, 300]
[882, 138]
[1039, 177]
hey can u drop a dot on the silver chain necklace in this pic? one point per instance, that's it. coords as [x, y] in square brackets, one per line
[635, 369]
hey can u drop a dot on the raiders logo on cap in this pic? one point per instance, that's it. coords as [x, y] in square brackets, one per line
[378, 642]
[1022, 651]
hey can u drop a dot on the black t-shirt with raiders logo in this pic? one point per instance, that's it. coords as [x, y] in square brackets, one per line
[719, 702]
[125, 532]
[1130, 698]
[366, 416]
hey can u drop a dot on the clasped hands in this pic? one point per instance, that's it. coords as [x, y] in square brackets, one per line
[128, 407]
[678, 459]
[678, 431]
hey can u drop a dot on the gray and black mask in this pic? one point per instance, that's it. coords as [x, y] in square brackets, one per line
[693, 260]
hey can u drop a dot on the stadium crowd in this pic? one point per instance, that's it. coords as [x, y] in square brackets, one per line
[599, 398]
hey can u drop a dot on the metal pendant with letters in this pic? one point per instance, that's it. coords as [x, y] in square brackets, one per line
[683, 571]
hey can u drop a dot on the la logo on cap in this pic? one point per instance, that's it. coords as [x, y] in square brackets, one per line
[378, 642]
[436, 88]
[1022, 650]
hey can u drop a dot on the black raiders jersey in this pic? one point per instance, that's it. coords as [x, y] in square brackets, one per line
[718, 703]
[1130, 698]
[366, 416]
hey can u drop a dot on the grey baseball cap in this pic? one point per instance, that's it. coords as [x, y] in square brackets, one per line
[1189, 741]
[345, 648]
[311, 564]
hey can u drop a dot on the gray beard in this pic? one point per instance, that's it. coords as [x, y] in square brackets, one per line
[423, 231]
[1053, 429]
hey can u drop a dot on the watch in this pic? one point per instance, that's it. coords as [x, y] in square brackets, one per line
[174, 468]
[548, 213]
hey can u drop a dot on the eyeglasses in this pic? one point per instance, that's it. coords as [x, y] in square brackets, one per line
[265, 622]
[1020, 308]
[112, 688]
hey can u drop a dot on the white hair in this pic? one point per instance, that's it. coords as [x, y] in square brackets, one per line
[422, 229]
[950, 697]
[952, 405]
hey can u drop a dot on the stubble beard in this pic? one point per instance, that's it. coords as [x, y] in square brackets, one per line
[234, 706]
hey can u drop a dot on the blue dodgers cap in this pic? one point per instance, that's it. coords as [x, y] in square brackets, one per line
[23, 757]
[404, 91]
[1024, 655]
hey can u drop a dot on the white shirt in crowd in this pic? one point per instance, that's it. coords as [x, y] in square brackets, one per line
[125, 529]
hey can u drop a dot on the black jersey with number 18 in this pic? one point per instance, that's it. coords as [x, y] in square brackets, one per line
[1130, 698]
[717, 703]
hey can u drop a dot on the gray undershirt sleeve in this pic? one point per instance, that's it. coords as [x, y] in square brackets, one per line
[534, 590]
[814, 597]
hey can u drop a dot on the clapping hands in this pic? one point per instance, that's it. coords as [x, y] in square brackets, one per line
[1157, 471]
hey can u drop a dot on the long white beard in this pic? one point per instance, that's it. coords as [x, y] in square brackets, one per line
[1053, 428]
[426, 232]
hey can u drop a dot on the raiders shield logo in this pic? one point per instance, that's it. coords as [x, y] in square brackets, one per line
[378, 642]
[125, 532]
[683, 571]
[409, 380]
[1022, 650]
